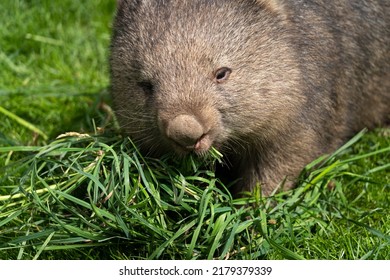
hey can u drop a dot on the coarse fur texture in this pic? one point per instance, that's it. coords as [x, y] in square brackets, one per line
[272, 84]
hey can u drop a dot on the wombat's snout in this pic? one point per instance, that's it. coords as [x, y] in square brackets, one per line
[188, 133]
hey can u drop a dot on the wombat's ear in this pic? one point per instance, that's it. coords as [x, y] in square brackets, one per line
[126, 8]
[132, 4]
[121, 3]
[274, 6]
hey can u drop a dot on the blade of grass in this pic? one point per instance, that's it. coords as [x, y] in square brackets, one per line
[201, 216]
[44, 245]
[157, 253]
[23, 122]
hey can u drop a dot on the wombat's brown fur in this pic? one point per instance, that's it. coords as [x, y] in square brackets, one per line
[272, 84]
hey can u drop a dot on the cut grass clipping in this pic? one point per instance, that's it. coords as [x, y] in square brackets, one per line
[93, 197]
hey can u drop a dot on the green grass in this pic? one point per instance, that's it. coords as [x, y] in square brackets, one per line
[93, 196]
[53, 65]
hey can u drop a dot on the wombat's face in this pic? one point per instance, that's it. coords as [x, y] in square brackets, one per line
[189, 75]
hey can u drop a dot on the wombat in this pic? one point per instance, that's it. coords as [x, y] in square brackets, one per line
[271, 84]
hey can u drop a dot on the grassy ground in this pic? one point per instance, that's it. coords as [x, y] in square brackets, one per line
[92, 196]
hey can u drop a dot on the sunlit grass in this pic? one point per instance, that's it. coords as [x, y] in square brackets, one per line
[78, 193]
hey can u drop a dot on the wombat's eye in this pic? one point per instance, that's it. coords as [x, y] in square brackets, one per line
[222, 74]
[147, 87]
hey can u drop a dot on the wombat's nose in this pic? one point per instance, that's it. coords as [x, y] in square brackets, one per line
[185, 130]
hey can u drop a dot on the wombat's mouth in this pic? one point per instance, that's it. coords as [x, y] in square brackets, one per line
[200, 147]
